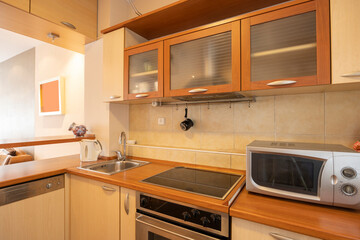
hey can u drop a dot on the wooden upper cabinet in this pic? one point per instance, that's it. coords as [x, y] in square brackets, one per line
[143, 77]
[288, 47]
[345, 35]
[81, 14]
[113, 65]
[203, 62]
[22, 4]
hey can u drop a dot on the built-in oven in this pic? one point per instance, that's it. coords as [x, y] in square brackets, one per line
[163, 219]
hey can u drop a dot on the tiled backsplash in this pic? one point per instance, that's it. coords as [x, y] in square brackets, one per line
[332, 117]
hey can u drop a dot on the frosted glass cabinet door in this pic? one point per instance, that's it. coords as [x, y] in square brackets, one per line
[203, 62]
[144, 71]
[288, 47]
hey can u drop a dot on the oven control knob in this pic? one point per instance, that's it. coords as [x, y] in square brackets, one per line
[215, 218]
[144, 202]
[195, 212]
[348, 190]
[186, 216]
[204, 221]
[348, 172]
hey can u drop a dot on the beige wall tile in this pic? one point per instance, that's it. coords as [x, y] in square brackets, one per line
[217, 141]
[238, 162]
[160, 112]
[217, 118]
[347, 141]
[300, 114]
[342, 113]
[140, 136]
[193, 114]
[155, 138]
[258, 118]
[139, 117]
[181, 156]
[188, 139]
[145, 152]
[241, 140]
[212, 159]
[160, 138]
[300, 138]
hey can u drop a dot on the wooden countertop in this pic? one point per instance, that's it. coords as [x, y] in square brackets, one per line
[28, 171]
[305, 218]
[131, 179]
[316, 220]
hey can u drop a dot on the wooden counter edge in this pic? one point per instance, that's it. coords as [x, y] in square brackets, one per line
[43, 141]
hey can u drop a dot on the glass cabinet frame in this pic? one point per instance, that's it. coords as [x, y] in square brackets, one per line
[323, 76]
[234, 27]
[160, 73]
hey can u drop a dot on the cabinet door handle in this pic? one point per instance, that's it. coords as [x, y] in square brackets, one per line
[69, 25]
[115, 97]
[281, 82]
[109, 189]
[354, 74]
[126, 204]
[280, 237]
[198, 90]
[142, 95]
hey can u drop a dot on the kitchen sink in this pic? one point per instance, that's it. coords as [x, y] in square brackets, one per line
[113, 166]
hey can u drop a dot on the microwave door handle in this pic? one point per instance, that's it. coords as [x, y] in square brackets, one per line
[300, 174]
[143, 221]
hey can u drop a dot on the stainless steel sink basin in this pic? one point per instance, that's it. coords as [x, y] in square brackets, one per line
[114, 166]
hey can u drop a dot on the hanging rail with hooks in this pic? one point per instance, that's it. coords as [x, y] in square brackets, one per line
[249, 100]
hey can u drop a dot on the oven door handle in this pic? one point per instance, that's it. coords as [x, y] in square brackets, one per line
[142, 219]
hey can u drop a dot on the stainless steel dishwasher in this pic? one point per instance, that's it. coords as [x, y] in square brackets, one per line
[33, 210]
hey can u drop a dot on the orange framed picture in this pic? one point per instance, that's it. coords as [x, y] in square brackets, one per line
[51, 97]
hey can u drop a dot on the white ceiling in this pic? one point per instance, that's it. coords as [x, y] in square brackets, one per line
[12, 44]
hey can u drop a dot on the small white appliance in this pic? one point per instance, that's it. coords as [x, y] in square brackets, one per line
[90, 150]
[321, 173]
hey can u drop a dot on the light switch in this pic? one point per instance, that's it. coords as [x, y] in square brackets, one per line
[161, 121]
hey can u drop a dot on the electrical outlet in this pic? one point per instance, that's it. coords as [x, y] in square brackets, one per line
[161, 121]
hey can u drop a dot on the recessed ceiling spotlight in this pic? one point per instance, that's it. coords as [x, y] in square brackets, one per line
[53, 36]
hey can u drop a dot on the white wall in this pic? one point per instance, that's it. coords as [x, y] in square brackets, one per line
[52, 61]
[106, 120]
[17, 96]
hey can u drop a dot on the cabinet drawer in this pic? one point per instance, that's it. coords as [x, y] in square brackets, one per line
[243, 229]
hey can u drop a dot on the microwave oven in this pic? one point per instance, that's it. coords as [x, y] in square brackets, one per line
[320, 173]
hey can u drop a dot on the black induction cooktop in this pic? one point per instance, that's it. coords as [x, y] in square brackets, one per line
[203, 182]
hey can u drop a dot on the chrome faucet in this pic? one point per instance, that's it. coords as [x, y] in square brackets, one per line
[122, 140]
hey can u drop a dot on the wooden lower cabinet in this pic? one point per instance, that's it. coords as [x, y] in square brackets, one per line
[243, 229]
[128, 214]
[94, 210]
[40, 217]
